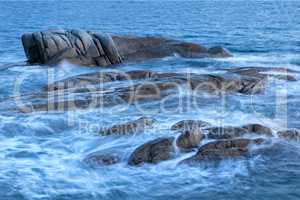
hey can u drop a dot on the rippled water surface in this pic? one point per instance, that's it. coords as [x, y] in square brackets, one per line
[42, 153]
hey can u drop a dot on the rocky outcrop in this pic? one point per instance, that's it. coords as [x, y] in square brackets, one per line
[132, 127]
[98, 159]
[189, 139]
[222, 149]
[290, 134]
[100, 49]
[153, 151]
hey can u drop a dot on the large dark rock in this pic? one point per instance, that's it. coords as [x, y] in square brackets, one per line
[152, 152]
[132, 127]
[99, 49]
[290, 134]
[222, 149]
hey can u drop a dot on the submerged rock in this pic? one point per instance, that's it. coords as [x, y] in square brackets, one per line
[264, 72]
[290, 134]
[222, 149]
[98, 159]
[189, 139]
[99, 49]
[153, 151]
[132, 127]
[189, 125]
[228, 83]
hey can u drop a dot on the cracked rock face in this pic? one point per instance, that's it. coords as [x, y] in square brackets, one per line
[100, 49]
[76, 46]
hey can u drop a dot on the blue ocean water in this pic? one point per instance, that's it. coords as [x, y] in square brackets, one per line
[41, 153]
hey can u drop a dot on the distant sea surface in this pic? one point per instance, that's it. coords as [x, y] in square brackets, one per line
[41, 153]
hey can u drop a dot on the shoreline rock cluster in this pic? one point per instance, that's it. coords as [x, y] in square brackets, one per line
[212, 144]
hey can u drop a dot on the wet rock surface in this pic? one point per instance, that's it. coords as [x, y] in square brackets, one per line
[136, 126]
[222, 149]
[98, 159]
[100, 49]
[189, 125]
[225, 132]
[264, 72]
[290, 134]
[189, 139]
[89, 90]
[153, 151]
[228, 132]
[258, 129]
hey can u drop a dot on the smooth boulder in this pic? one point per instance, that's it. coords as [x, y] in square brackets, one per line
[223, 149]
[189, 139]
[153, 152]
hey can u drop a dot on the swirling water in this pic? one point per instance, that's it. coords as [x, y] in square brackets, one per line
[41, 153]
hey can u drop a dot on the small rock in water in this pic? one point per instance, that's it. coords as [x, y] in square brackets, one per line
[189, 139]
[222, 149]
[132, 127]
[189, 125]
[226, 132]
[153, 151]
[100, 159]
[258, 129]
[290, 134]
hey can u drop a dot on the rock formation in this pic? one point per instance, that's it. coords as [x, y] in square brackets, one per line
[100, 49]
